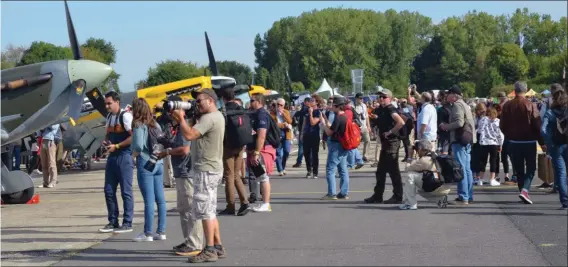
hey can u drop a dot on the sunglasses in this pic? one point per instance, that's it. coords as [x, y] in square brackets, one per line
[383, 97]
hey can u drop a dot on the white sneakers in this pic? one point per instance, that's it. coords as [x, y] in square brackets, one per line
[408, 207]
[144, 238]
[494, 182]
[264, 207]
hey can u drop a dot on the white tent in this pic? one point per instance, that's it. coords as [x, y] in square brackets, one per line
[326, 91]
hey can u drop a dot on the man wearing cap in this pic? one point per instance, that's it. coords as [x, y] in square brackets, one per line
[361, 113]
[208, 134]
[300, 116]
[389, 123]
[462, 136]
[520, 123]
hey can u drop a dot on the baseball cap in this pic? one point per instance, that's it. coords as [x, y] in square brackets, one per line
[501, 94]
[206, 91]
[358, 95]
[455, 90]
[386, 92]
[338, 100]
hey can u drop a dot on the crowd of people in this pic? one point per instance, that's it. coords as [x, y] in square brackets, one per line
[224, 142]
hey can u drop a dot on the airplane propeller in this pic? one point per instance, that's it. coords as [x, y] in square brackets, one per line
[77, 53]
[212, 63]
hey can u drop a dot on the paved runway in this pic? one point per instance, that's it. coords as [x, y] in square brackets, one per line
[303, 230]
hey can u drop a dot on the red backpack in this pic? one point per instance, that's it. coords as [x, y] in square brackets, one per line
[352, 136]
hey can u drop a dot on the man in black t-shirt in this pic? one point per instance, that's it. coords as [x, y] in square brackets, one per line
[337, 156]
[389, 123]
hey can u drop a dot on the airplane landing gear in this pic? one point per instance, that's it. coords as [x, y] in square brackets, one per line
[17, 186]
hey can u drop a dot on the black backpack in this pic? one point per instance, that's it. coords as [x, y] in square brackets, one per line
[238, 129]
[560, 129]
[273, 133]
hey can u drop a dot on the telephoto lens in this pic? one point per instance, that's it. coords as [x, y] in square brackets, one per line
[172, 105]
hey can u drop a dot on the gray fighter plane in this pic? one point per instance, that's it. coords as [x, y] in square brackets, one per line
[39, 95]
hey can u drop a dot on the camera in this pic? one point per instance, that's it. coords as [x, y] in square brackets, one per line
[168, 106]
[151, 163]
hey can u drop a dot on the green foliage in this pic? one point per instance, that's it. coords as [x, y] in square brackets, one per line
[241, 72]
[468, 89]
[507, 89]
[170, 71]
[510, 61]
[298, 87]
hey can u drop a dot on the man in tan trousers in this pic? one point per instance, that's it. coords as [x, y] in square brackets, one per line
[48, 156]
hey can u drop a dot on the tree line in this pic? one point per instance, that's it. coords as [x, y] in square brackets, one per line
[481, 53]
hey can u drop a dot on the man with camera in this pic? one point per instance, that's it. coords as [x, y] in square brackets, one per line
[237, 135]
[120, 167]
[178, 150]
[208, 134]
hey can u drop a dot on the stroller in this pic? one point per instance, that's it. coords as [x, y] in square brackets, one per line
[448, 171]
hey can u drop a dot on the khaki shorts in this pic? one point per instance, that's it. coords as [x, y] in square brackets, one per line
[365, 136]
[204, 204]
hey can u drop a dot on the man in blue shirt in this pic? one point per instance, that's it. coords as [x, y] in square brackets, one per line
[48, 156]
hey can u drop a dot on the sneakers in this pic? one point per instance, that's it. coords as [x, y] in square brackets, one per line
[458, 201]
[373, 199]
[309, 175]
[159, 236]
[184, 250]
[243, 210]
[344, 197]
[359, 166]
[315, 176]
[264, 207]
[544, 186]
[408, 207]
[46, 186]
[374, 165]
[123, 229]
[329, 197]
[226, 212]
[477, 182]
[494, 182]
[108, 228]
[297, 165]
[142, 237]
[524, 196]
[206, 255]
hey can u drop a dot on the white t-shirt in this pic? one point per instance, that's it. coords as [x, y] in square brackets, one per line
[428, 116]
[362, 110]
[126, 118]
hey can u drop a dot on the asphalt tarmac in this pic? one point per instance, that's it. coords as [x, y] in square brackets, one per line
[497, 229]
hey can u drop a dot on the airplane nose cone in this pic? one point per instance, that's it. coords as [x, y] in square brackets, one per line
[94, 73]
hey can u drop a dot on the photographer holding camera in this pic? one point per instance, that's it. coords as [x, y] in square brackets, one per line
[178, 149]
[208, 134]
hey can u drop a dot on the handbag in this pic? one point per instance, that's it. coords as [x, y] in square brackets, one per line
[430, 182]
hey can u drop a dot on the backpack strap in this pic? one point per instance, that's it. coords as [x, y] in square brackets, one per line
[121, 119]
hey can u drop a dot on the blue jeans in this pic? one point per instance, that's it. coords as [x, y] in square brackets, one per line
[559, 163]
[152, 188]
[336, 157]
[354, 156]
[300, 152]
[282, 154]
[119, 170]
[462, 154]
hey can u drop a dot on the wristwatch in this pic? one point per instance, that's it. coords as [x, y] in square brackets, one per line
[257, 152]
[117, 146]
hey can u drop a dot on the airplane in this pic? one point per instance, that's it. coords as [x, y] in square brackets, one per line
[39, 95]
[89, 132]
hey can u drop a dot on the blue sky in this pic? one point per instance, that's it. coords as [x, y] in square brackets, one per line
[145, 32]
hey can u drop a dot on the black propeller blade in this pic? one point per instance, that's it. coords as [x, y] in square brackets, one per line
[77, 54]
[212, 63]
